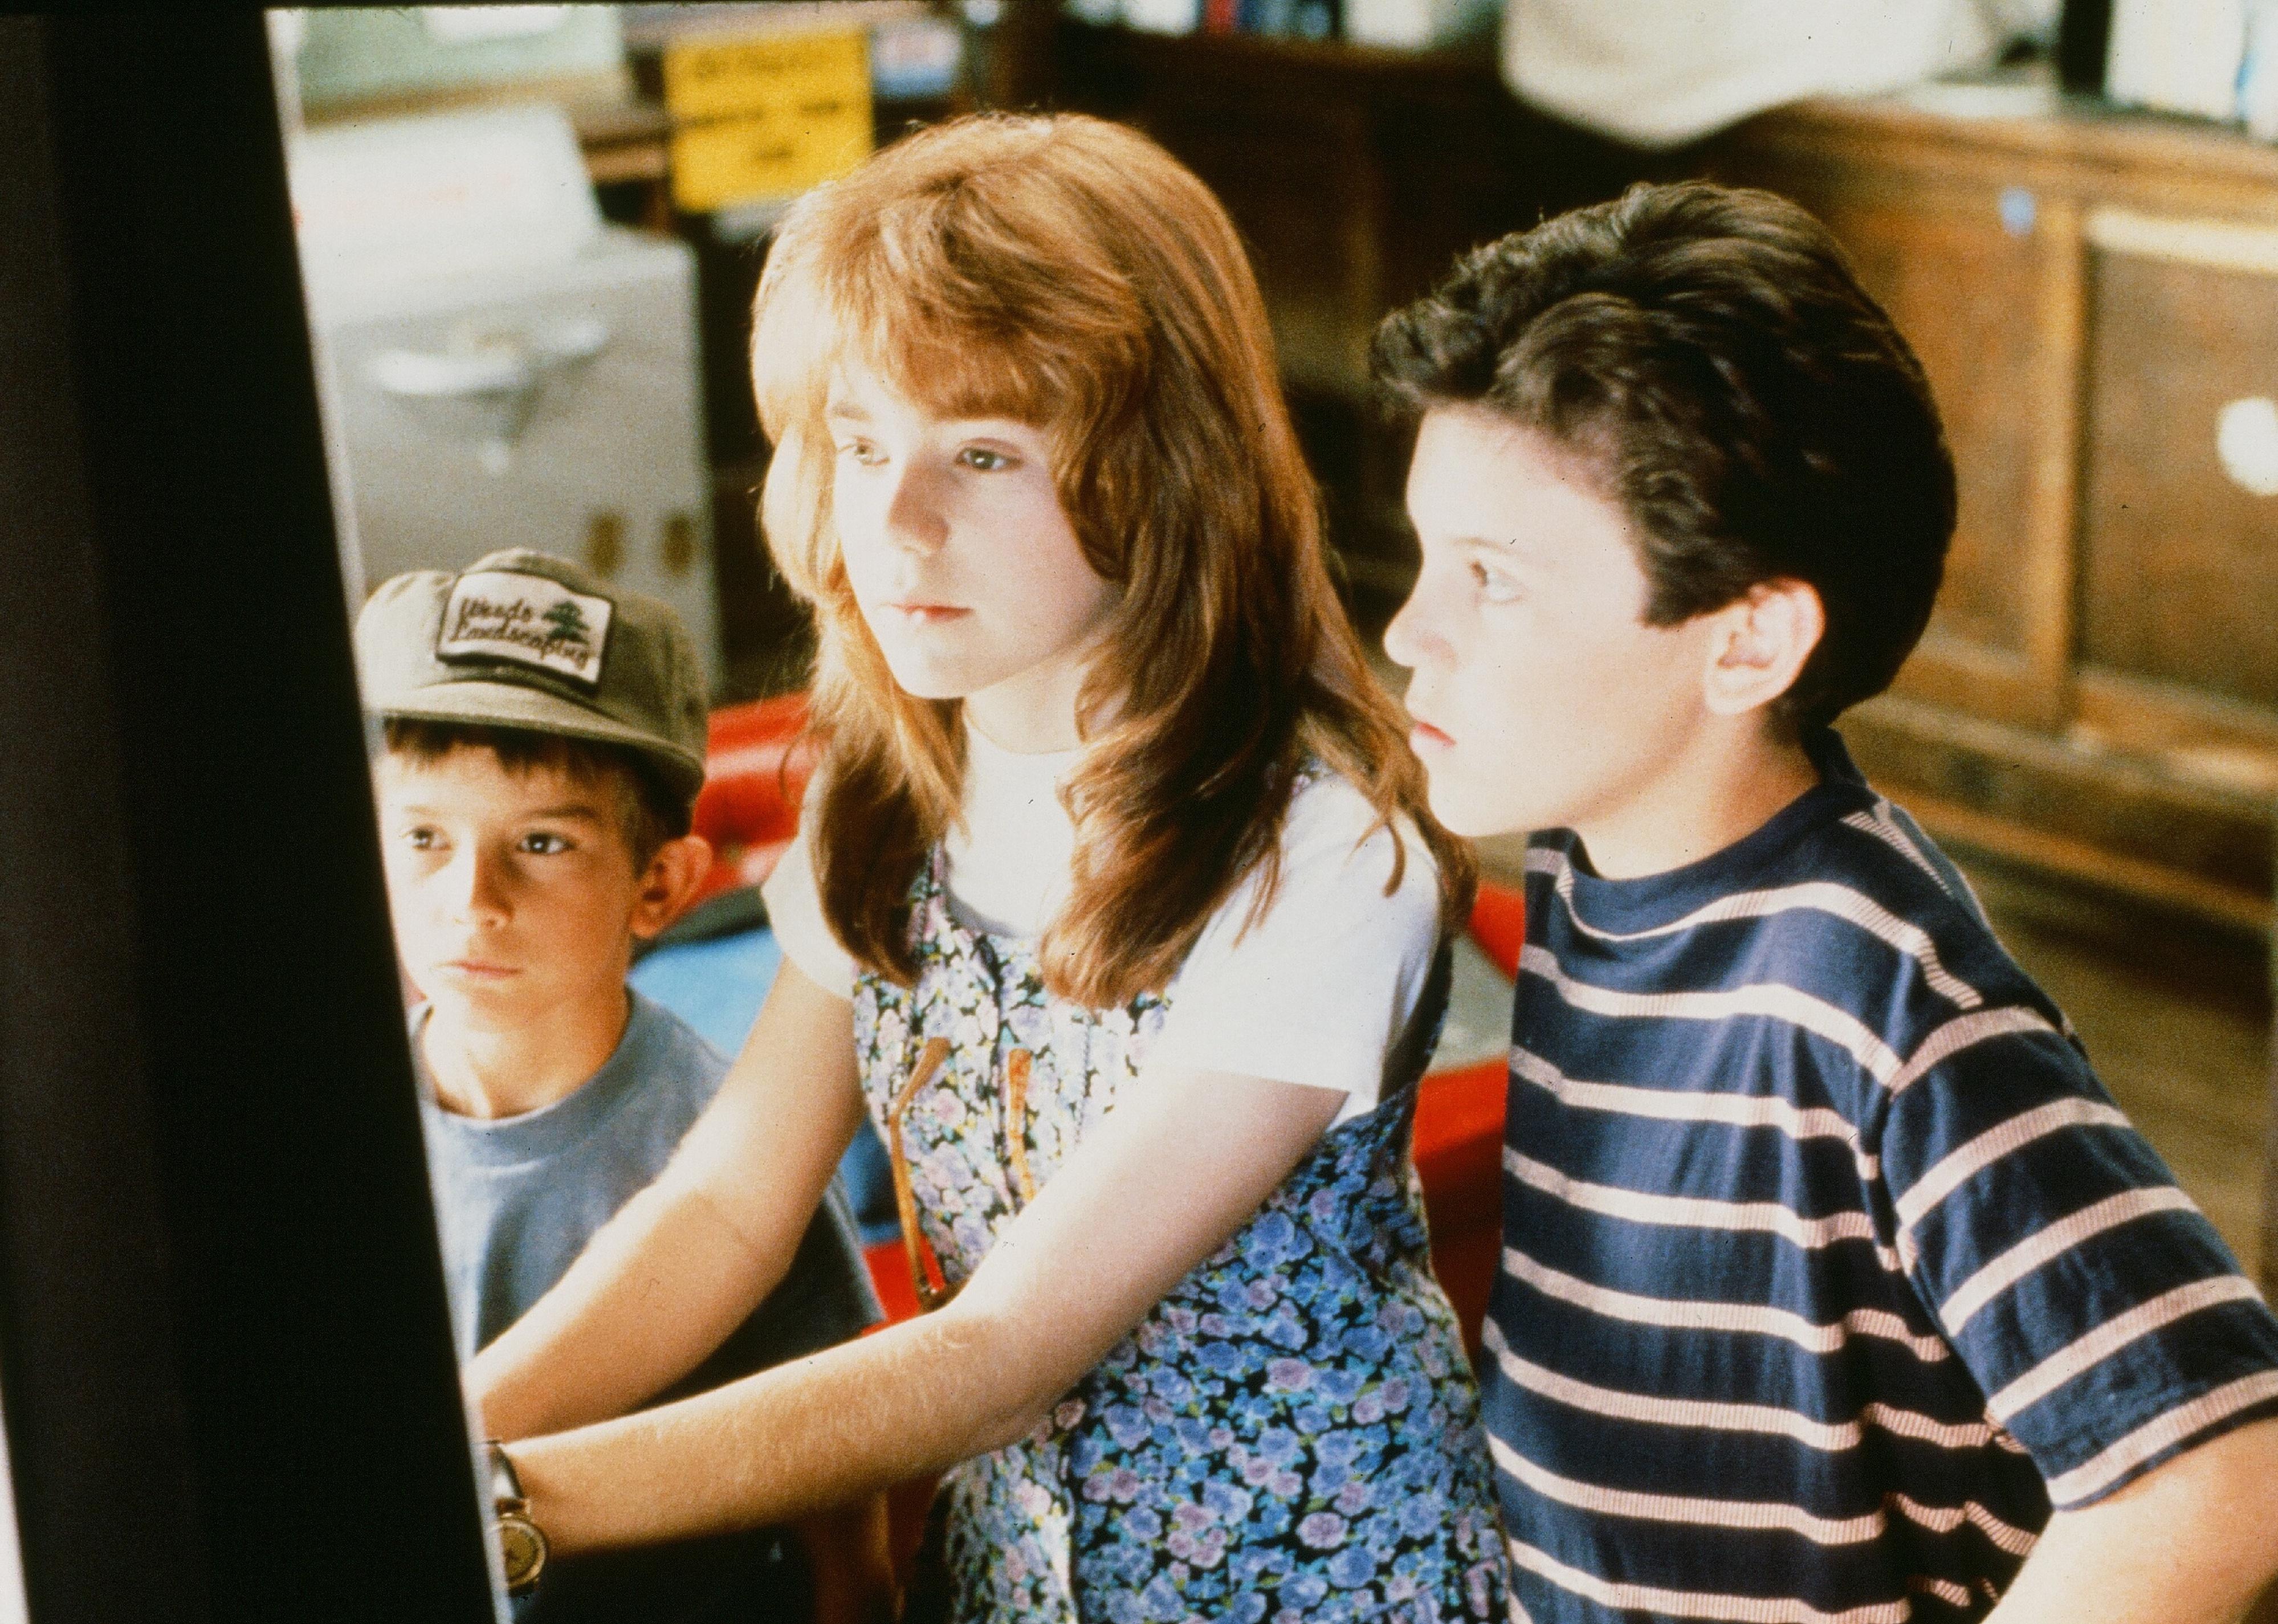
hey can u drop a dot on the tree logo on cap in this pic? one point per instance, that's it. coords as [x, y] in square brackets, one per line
[568, 624]
[525, 620]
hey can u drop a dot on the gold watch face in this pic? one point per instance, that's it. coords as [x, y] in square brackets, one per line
[523, 1548]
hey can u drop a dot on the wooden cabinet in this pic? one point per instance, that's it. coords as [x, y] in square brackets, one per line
[2178, 338]
[2094, 297]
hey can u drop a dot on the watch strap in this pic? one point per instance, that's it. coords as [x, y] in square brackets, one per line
[505, 1483]
[521, 1542]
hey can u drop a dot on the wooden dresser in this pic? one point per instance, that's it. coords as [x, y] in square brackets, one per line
[2095, 298]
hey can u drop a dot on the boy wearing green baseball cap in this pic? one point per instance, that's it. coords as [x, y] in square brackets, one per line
[545, 736]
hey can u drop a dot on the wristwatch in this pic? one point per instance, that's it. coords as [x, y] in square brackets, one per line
[522, 1543]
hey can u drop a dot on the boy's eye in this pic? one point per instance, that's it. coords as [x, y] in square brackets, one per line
[983, 460]
[422, 839]
[861, 452]
[1494, 585]
[544, 844]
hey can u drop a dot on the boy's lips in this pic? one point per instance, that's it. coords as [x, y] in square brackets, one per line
[479, 969]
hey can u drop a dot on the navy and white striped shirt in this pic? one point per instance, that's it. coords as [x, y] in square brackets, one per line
[1829, 1265]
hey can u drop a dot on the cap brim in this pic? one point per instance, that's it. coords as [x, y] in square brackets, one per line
[509, 704]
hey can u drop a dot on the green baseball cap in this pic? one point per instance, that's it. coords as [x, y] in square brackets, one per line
[521, 639]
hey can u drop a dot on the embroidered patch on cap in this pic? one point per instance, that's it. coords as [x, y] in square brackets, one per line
[530, 619]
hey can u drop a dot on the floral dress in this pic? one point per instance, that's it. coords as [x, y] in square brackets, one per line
[1292, 1434]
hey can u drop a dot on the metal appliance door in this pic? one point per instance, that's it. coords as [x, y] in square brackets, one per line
[554, 407]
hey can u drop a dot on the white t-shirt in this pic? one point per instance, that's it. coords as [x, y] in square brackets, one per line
[1317, 992]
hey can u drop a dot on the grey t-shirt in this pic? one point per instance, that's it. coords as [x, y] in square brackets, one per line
[518, 1197]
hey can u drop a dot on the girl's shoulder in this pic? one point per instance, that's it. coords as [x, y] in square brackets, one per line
[1341, 868]
[1333, 830]
[1315, 986]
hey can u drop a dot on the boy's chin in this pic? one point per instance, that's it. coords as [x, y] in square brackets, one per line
[1473, 816]
[477, 1009]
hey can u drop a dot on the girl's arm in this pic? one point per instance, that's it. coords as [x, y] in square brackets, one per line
[685, 1261]
[1184, 1159]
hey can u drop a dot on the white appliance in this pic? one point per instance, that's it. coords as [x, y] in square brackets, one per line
[504, 369]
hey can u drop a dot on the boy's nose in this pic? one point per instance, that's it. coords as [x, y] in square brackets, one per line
[479, 893]
[1409, 639]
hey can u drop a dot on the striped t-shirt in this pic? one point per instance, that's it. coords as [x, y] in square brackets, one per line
[1828, 1265]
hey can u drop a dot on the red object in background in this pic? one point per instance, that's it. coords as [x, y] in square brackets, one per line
[1499, 923]
[757, 762]
[1459, 1138]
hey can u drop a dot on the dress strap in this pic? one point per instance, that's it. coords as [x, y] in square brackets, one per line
[1410, 1058]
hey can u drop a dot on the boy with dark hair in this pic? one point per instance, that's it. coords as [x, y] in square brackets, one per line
[545, 737]
[1834, 1286]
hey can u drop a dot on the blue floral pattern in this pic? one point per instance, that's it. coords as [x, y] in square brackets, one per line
[1292, 1434]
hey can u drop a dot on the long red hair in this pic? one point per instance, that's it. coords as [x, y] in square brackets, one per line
[1069, 273]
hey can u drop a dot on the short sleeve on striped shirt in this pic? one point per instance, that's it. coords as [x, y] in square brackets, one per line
[2108, 1323]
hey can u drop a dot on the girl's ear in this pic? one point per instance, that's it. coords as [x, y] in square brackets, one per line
[1758, 644]
[671, 878]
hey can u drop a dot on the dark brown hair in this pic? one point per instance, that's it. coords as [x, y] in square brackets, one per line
[1708, 353]
[1068, 273]
[649, 811]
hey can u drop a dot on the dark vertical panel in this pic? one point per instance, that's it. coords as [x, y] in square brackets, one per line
[2083, 37]
[100, 1453]
[244, 993]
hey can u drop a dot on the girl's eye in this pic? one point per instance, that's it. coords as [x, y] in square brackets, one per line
[422, 839]
[983, 460]
[861, 452]
[541, 842]
[1494, 585]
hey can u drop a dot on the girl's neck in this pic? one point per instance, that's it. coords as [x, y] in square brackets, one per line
[982, 739]
[1034, 712]
[1024, 724]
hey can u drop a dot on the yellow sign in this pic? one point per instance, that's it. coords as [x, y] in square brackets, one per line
[769, 115]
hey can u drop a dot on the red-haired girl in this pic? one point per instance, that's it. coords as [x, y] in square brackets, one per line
[1117, 903]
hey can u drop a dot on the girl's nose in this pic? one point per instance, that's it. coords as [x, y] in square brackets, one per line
[914, 519]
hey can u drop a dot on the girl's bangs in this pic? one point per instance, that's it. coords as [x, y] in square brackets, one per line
[948, 362]
[953, 301]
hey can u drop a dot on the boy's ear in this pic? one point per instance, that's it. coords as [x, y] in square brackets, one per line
[1759, 643]
[673, 874]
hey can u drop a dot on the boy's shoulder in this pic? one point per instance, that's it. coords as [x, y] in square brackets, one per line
[1890, 881]
[661, 1049]
[1841, 913]
[659, 1037]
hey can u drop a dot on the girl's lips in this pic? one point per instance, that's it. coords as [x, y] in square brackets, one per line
[1424, 736]
[926, 614]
